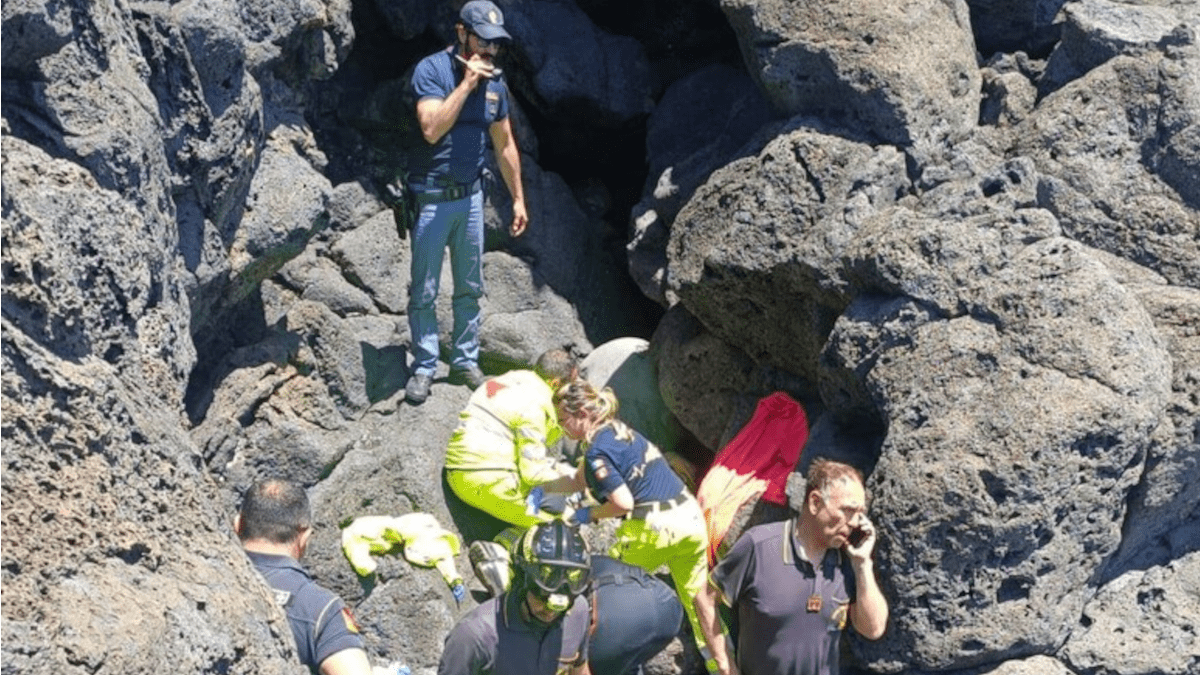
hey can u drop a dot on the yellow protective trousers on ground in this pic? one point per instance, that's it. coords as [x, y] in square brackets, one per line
[496, 492]
[677, 538]
[424, 543]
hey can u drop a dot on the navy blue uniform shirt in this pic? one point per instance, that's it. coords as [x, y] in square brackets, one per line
[458, 156]
[611, 462]
[767, 580]
[321, 623]
[493, 639]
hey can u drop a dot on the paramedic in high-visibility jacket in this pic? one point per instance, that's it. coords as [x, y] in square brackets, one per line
[502, 446]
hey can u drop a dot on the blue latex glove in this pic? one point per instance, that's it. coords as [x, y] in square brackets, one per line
[582, 515]
[533, 503]
[460, 593]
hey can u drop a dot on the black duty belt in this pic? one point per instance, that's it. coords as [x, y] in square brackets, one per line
[643, 510]
[447, 194]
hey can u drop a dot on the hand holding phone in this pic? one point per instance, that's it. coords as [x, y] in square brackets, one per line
[484, 68]
[857, 535]
[861, 540]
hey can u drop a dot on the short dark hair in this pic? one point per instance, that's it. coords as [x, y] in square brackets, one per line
[556, 364]
[274, 510]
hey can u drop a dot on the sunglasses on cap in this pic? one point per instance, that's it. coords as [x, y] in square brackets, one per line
[552, 578]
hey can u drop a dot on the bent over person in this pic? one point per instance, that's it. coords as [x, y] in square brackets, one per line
[540, 625]
[796, 584]
[501, 447]
[274, 524]
[663, 524]
[462, 105]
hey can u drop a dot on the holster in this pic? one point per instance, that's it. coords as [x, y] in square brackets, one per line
[403, 203]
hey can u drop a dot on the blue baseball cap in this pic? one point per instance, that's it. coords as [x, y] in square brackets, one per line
[484, 19]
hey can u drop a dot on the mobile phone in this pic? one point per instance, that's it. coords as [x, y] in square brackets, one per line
[857, 535]
[494, 73]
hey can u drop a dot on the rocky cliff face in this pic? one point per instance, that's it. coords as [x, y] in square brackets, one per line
[966, 235]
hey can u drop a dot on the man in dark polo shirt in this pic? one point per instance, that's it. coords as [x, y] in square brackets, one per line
[795, 584]
[540, 625]
[274, 525]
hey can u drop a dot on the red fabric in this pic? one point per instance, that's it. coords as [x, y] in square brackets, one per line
[769, 446]
[756, 462]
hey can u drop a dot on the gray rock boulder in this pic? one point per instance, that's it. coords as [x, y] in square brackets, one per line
[1100, 144]
[1008, 97]
[1095, 31]
[703, 122]
[117, 551]
[213, 125]
[906, 74]
[1141, 622]
[285, 207]
[373, 259]
[86, 275]
[760, 244]
[1163, 522]
[523, 316]
[318, 279]
[710, 385]
[1033, 424]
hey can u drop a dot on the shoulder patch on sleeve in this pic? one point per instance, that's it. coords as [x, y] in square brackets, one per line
[351, 623]
[599, 468]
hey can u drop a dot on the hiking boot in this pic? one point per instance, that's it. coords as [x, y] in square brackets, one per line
[417, 389]
[489, 560]
[470, 375]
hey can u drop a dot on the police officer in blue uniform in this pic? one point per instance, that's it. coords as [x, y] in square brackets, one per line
[462, 105]
[274, 524]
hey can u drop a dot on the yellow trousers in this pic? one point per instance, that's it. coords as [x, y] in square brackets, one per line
[677, 538]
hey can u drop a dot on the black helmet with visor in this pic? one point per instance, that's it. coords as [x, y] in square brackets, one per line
[554, 558]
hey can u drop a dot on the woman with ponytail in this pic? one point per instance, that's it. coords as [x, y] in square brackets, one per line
[628, 477]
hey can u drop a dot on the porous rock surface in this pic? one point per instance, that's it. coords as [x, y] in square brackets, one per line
[966, 235]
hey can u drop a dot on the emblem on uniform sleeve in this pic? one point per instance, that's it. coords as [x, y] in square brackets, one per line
[351, 622]
[600, 469]
[282, 597]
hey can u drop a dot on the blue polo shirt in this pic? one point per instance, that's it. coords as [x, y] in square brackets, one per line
[493, 639]
[768, 582]
[320, 621]
[611, 462]
[457, 156]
